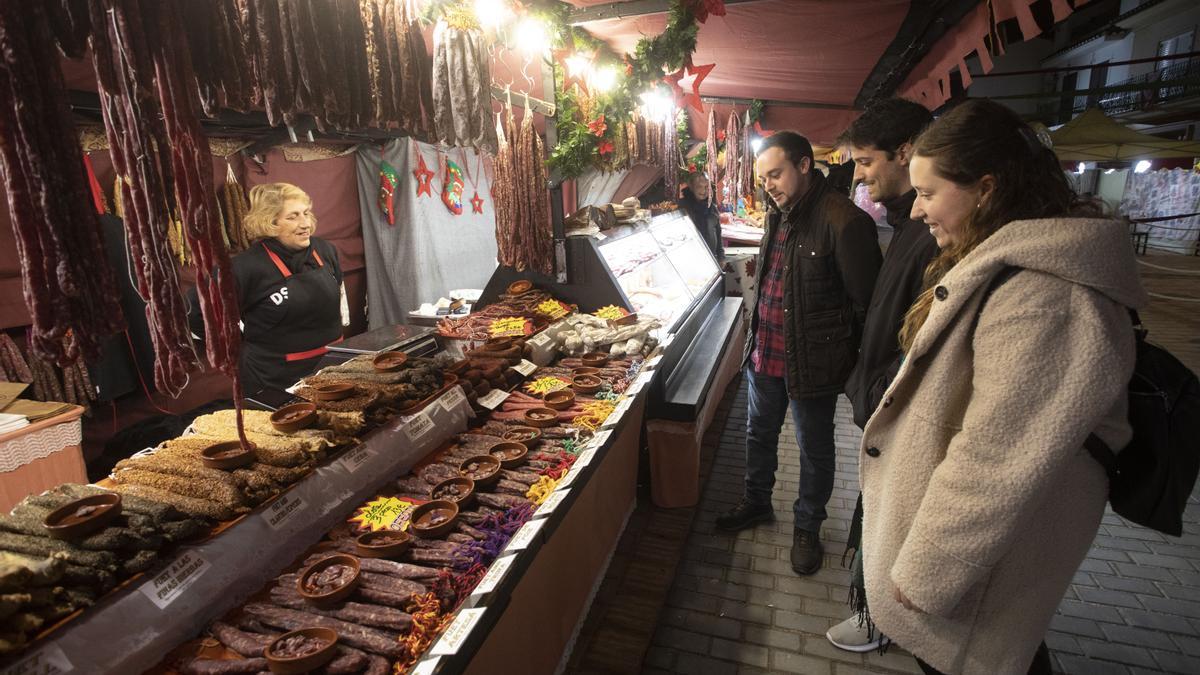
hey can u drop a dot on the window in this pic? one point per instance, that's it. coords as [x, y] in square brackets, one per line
[1173, 69]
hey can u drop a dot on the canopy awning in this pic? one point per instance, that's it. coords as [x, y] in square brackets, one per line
[1095, 137]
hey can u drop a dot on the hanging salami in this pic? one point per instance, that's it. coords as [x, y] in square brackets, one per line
[462, 80]
[733, 139]
[66, 281]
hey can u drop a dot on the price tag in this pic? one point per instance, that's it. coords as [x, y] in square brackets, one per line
[584, 459]
[492, 399]
[457, 632]
[453, 398]
[524, 536]
[418, 426]
[427, 667]
[635, 387]
[48, 661]
[568, 479]
[611, 312]
[495, 575]
[652, 363]
[540, 340]
[545, 385]
[550, 504]
[667, 342]
[171, 582]
[385, 513]
[281, 510]
[599, 439]
[510, 326]
[617, 412]
[600, 236]
[553, 309]
[354, 459]
[525, 367]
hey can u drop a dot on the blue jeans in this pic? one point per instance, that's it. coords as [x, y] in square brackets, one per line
[814, 434]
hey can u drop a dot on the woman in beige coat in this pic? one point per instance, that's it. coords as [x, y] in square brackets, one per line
[979, 498]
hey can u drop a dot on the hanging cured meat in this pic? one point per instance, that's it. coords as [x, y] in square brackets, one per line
[746, 165]
[710, 150]
[217, 40]
[462, 81]
[524, 234]
[733, 139]
[67, 283]
[670, 156]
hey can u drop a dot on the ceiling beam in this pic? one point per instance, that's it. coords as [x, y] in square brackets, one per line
[622, 10]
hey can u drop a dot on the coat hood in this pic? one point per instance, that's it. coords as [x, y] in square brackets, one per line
[1092, 252]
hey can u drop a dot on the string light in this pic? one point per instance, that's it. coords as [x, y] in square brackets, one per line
[578, 64]
[1142, 166]
[1081, 168]
[655, 105]
[531, 36]
[603, 79]
[756, 145]
[492, 13]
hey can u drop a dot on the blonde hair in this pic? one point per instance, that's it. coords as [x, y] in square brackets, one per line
[266, 201]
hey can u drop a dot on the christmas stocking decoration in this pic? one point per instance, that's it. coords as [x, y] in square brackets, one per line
[387, 191]
[452, 188]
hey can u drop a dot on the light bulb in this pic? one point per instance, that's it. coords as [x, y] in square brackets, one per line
[1142, 166]
[577, 64]
[603, 79]
[1081, 168]
[655, 106]
[531, 36]
[756, 144]
[491, 13]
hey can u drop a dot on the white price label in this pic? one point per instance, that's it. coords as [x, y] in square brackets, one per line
[418, 426]
[492, 399]
[48, 661]
[171, 582]
[281, 510]
[495, 575]
[540, 340]
[635, 387]
[427, 667]
[584, 459]
[618, 412]
[667, 342]
[453, 398]
[524, 536]
[354, 459]
[652, 363]
[600, 236]
[569, 479]
[457, 632]
[599, 439]
[550, 504]
[525, 367]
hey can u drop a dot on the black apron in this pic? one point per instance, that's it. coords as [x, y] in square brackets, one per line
[312, 320]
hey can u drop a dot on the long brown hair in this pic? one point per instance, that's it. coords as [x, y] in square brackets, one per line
[980, 138]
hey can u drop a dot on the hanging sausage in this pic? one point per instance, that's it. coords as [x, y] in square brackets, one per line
[462, 81]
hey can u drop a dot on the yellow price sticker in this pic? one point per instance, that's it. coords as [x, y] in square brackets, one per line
[545, 385]
[611, 312]
[510, 326]
[383, 514]
[553, 309]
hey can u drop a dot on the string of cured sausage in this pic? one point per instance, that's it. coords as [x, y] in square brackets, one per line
[710, 147]
[524, 233]
[732, 155]
[67, 283]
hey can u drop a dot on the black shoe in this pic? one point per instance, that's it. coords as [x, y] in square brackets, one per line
[744, 515]
[807, 554]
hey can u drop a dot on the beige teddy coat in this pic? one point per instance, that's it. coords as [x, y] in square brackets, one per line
[979, 498]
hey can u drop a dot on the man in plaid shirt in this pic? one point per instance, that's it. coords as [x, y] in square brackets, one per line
[818, 264]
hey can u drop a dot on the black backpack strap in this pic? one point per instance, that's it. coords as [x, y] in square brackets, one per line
[1100, 451]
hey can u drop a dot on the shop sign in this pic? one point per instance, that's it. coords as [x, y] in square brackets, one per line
[427, 667]
[510, 326]
[47, 661]
[281, 510]
[169, 584]
[568, 479]
[457, 632]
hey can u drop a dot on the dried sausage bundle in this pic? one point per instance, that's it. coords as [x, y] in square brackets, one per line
[733, 155]
[217, 41]
[67, 283]
[462, 88]
[670, 155]
[710, 148]
[524, 234]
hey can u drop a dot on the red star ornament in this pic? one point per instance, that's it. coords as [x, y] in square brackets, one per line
[698, 73]
[477, 204]
[672, 81]
[569, 75]
[424, 177]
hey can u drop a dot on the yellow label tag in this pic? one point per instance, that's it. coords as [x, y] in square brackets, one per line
[611, 312]
[510, 326]
[383, 514]
[553, 309]
[545, 385]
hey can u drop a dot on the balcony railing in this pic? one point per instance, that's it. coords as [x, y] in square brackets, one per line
[1184, 74]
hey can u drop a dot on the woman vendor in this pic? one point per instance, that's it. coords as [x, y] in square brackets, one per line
[703, 212]
[289, 290]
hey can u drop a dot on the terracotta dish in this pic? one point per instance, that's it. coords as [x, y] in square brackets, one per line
[382, 544]
[334, 391]
[227, 456]
[585, 371]
[594, 359]
[82, 517]
[483, 469]
[526, 436]
[460, 490]
[627, 320]
[541, 417]
[519, 287]
[292, 418]
[329, 580]
[301, 651]
[434, 519]
[388, 362]
[510, 453]
[585, 384]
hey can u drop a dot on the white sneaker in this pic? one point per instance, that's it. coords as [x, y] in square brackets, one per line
[852, 636]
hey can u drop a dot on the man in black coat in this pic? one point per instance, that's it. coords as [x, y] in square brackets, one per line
[881, 143]
[702, 210]
[816, 270]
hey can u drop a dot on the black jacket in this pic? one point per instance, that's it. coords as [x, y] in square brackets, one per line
[831, 258]
[704, 216]
[901, 280]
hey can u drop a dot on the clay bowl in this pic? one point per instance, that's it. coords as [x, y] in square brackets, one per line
[67, 521]
[586, 370]
[389, 362]
[292, 418]
[293, 665]
[334, 391]
[486, 472]
[519, 287]
[594, 359]
[627, 320]
[330, 596]
[382, 544]
[460, 490]
[227, 456]
[510, 453]
[562, 399]
[540, 417]
[434, 519]
[585, 384]
[526, 436]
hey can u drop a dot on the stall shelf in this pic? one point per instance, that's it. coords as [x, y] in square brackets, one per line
[134, 628]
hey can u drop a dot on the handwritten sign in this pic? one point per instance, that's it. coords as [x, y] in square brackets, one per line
[568, 479]
[525, 536]
[495, 575]
[652, 363]
[635, 387]
[453, 398]
[169, 584]
[584, 458]
[545, 385]
[553, 309]
[611, 312]
[525, 367]
[510, 326]
[354, 459]
[550, 504]
[615, 415]
[492, 399]
[541, 340]
[457, 632]
[281, 510]
[418, 426]
[599, 439]
[385, 513]
[48, 661]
